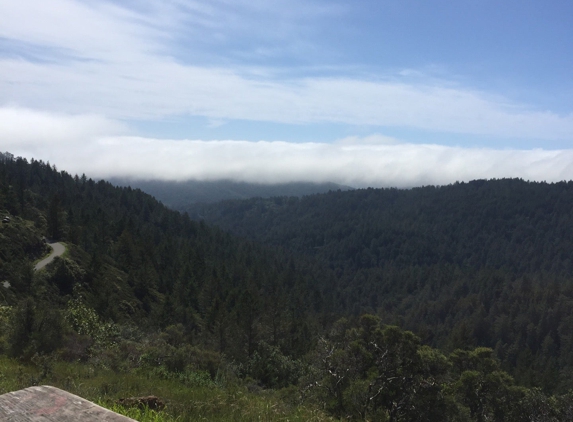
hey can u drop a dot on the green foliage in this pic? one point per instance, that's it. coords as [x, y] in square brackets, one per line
[135, 261]
[141, 415]
[20, 244]
[66, 275]
[272, 368]
[483, 263]
[186, 401]
[5, 317]
[86, 322]
[54, 220]
[371, 371]
[35, 328]
[368, 371]
[179, 359]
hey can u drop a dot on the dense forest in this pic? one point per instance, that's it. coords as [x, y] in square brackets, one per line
[485, 263]
[134, 261]
[314, 305]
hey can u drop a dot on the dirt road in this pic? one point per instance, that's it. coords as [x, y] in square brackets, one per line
[57, 250]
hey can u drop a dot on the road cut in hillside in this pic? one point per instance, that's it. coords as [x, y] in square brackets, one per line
[57, 250]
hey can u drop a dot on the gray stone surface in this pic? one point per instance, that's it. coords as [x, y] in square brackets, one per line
[50, 404]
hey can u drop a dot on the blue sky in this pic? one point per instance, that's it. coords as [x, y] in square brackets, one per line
[428, 91]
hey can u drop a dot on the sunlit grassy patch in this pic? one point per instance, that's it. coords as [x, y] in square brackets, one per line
[142, 415]
[188, 398]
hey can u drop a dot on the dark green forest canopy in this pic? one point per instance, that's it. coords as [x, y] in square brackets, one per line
[135, 261]
[508, 223]
[463, 266]
[480, 263]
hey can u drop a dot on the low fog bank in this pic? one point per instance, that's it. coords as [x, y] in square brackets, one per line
[101, 148]
[400, 165]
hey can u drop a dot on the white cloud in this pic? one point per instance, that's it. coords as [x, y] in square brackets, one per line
[122, 64]
[83, 30]
[91, 145]
[159, 89]
[37, 132]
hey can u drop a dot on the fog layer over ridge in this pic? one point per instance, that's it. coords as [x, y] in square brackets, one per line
[100, 147]
[401, 165]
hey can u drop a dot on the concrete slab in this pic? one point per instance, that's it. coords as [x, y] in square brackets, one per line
[50, 404]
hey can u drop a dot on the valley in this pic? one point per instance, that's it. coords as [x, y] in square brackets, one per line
[435, 303]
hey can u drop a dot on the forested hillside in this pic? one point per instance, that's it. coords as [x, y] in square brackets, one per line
[482, 263]
[145, 299]
[133, 260]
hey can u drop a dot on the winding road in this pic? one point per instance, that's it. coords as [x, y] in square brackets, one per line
[57, 250]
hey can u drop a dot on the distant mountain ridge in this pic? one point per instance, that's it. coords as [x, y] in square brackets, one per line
[179, 195]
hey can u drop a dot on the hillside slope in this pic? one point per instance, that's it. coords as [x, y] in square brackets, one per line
[134, 261]
[479, 263]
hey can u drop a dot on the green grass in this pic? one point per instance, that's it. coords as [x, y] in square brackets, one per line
[142, 415]
[185, 401]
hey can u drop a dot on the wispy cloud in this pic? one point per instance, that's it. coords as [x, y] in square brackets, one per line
[162, 88]
[121, 63]
[93, 145]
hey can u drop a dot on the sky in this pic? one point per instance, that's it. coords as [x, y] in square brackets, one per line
[363, 93]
